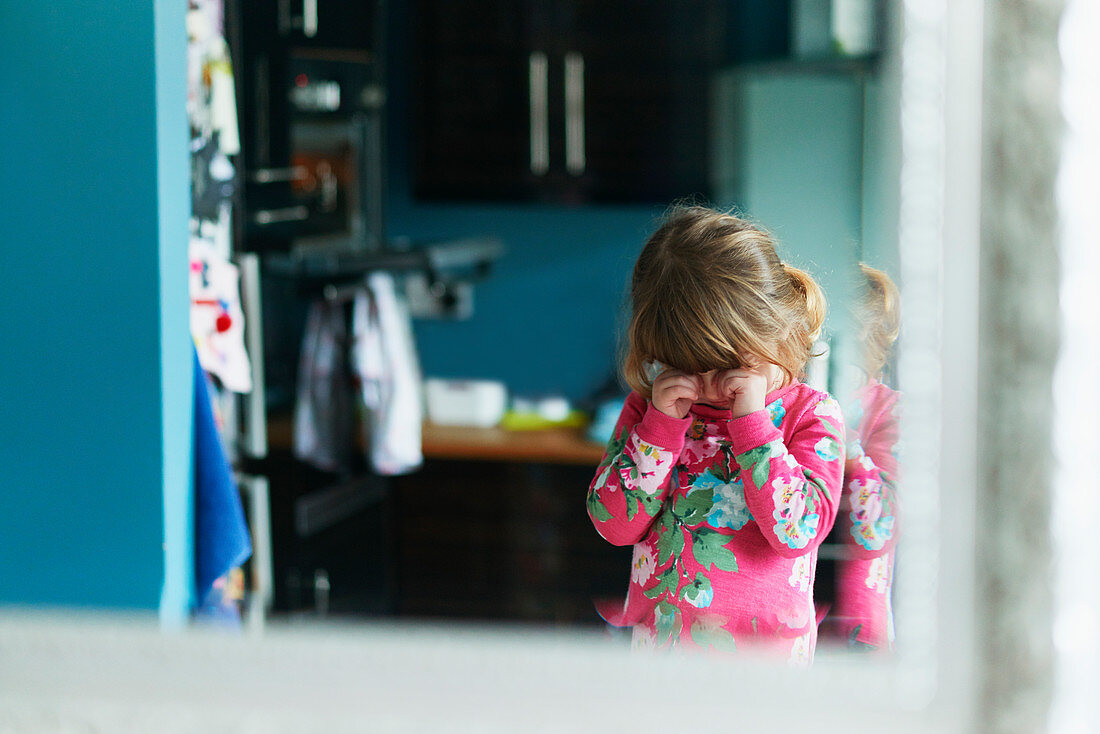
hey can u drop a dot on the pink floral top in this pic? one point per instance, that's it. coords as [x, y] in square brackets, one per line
[726, 517]
[862, 613]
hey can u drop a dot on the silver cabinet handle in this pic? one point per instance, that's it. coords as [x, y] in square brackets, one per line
[286, 214]
[309, 18]
[308, 21]
[574, 114]
[539, 74]
[254, 431]
[330, 187]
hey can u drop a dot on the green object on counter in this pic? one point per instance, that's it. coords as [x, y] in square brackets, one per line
[533, 421]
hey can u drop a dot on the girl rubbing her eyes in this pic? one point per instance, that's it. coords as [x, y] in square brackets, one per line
[725, 470]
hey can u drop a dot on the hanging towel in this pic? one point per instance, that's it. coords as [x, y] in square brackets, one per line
[221, 534]
[324, 413]
[385, 360]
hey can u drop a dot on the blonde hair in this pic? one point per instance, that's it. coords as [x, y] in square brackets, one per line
[879, 314]
[708, 290]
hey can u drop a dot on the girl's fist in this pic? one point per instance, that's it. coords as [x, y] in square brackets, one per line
[674, 392]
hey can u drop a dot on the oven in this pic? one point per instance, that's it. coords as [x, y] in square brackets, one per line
[312, 152]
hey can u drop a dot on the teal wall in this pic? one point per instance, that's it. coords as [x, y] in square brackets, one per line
[547, 319]
[882, 170]
[95, 422]
[791, 155]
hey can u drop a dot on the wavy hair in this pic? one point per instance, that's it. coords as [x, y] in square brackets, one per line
[879, 313]
[707, 291]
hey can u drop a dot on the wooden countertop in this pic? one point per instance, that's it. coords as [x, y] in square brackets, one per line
[551, 445]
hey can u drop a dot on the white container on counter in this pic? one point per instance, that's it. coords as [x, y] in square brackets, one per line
[477, 403]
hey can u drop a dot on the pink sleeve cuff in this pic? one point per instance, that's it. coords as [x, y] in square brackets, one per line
[663, 431]
[752, 431]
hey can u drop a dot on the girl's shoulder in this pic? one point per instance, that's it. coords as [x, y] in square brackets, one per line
[877, 394]
[801, 399]
[878, 401]
[635, 402]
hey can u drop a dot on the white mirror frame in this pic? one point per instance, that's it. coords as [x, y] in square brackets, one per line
[412, 678]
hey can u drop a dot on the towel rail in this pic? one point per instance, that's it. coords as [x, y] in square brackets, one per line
[338, 276]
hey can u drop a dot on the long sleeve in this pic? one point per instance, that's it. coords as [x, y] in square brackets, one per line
[632, 481]
[792, 487]
[870, 484]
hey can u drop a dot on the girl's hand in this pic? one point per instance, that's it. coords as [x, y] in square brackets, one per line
[674, 392]
[747, 387]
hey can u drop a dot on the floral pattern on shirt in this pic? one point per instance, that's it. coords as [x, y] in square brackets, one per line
[728, 509]
[878, 575]
[829, 408]
[801, 651]
[648, 460]
[707, 631]
[796, 618]
[801, 573]
[690, 507]
[698, 593]
[643, 563]
[828, 448]
[776, 412]
[872, 518]
[668, 622]
[794, 525]
[702, 441]
[643, 638]
[635, 467]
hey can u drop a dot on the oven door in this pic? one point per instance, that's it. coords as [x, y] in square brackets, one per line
[306, 187]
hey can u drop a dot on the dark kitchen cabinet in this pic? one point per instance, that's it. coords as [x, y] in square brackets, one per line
[574, 101]
[327, 24]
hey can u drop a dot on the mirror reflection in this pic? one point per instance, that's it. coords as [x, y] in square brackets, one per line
[444, 209]
[441, 373]
[868, 523]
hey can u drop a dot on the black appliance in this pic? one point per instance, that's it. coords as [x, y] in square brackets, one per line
[311, 125]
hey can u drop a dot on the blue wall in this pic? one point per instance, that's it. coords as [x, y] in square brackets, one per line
[546, 320]
[95, 421]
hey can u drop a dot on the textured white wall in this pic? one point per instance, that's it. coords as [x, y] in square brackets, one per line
[1019, 345]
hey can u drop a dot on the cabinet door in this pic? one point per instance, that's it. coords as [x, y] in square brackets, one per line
[329, 24]
[636, 98]
[479, 100]
[563, 100]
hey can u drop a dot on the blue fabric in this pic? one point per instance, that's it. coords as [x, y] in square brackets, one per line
[221, 534]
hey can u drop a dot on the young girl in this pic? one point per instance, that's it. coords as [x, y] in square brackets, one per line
[862, 614]
[724, 470]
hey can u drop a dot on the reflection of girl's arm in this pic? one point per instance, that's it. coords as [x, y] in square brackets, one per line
[870, 485]
[632, 482]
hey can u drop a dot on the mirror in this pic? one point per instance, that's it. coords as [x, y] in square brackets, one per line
[545, 324]
[478, 536]
[926, 210]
